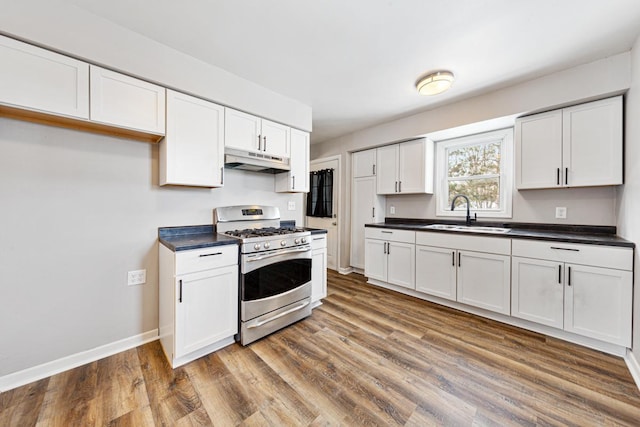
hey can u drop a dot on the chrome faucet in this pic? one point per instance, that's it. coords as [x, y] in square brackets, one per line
[469, 219]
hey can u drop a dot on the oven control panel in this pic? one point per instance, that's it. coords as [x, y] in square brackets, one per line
[261, 244]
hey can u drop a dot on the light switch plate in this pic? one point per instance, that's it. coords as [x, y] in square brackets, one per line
[292, 206]
[392, 210]
[561, 212]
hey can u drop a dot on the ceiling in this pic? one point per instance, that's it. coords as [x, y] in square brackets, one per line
[355, 62]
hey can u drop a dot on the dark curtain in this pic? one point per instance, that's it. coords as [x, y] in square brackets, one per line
[320, 196]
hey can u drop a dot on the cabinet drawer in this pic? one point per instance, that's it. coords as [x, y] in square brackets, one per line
[593, 255]
[318, 241]
[493, 245]
[404, 236]
[206, 258]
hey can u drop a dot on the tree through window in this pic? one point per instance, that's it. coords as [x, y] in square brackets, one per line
[478, 166]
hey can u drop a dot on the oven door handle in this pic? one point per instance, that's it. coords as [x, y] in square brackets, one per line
[277, 316]
[278, 253]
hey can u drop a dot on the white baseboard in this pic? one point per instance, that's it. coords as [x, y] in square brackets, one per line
[634, 366]
[29, 375]
[347, 270]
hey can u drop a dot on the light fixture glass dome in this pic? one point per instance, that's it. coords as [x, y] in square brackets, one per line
[435, 83]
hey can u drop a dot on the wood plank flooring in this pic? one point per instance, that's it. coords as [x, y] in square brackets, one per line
[367, 356]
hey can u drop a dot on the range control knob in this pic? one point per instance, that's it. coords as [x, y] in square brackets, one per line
[304, 240]
[283, 243]
[296, 241]
[256, 246]
[267, 245]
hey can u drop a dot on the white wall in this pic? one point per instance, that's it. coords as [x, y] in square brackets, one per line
[73, 31]
[77, 211]
[590, 81]
[629, 194]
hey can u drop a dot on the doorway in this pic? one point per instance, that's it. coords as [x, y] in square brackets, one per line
[329, 223]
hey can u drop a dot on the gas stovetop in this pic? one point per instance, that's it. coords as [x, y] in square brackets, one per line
[263, 232]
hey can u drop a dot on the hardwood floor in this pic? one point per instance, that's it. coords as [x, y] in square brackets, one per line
[367, 356]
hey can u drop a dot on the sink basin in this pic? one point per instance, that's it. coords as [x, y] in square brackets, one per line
[468, 229]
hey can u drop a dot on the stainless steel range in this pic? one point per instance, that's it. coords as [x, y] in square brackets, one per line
[275, 269]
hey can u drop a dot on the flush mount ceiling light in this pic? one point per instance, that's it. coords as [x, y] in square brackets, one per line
[435, 83]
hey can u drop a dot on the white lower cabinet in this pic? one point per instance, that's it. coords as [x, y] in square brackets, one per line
[452, 267]
[390, 256]
[318, 268]
[198, 301]
[583, 289]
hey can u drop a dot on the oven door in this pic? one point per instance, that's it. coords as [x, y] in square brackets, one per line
[270, 280]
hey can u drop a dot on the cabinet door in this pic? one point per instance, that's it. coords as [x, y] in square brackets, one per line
[537, 291]
[37, 79]
[436, 271]
[366, 208]
[126, 102]
[401, 264]
[192, 152]
[598, 303]
[364, 163]
[387, 169]
[539, 150]
[318, 274]
[275, 138]
[484, 280]
[297, 179]
[241, 131]
[375, 259]
[593, 143]
[413, 166]
[206, 308]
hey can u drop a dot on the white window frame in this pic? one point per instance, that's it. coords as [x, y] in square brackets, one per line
[506, 174]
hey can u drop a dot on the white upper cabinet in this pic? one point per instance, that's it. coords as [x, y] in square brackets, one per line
[297, 179]
[36, 79]
[192, 152]
[126, 102]
[247, 132]
[364, 163]
[577, 146]
[405, 168]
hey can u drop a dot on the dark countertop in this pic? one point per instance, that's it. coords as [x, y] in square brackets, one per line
[592, 235]
[192, 237]
[184, 238]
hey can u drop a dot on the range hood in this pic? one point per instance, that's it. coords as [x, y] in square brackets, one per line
[256, 162]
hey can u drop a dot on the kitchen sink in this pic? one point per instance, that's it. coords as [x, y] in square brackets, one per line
[468, 228]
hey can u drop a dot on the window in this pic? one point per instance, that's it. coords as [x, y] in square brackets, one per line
[480, 167]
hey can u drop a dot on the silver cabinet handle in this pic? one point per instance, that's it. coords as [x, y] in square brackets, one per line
[259, 144]
[559, 273]
[384, 247]
[222, 175]
[374, 169]
[373, 212]
[453, 258]
[568, 276]
[387, 232]
[277, 316]
[558, 176]
[293, 184]
[459, 260]
[278, 253]
[264, 145]
[566, 176]
[388, 248]
[180, 291]
[396, 190]
[399, 186]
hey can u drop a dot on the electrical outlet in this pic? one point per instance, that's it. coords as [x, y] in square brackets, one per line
[292, 206]
[136, 277]
[392, 210]
[561, 213]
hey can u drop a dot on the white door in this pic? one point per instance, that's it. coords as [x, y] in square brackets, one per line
[539, 151]
[241, 130]
[275, 138]
[206, 308]
[436, 271]
[598, 303]
[364, 163]
[363, 211]
[537, 291]
[593, 143]
[411, 165]
[387, 169]
[484, 280]
[375, 260]
[401, 264]
[329, 224]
